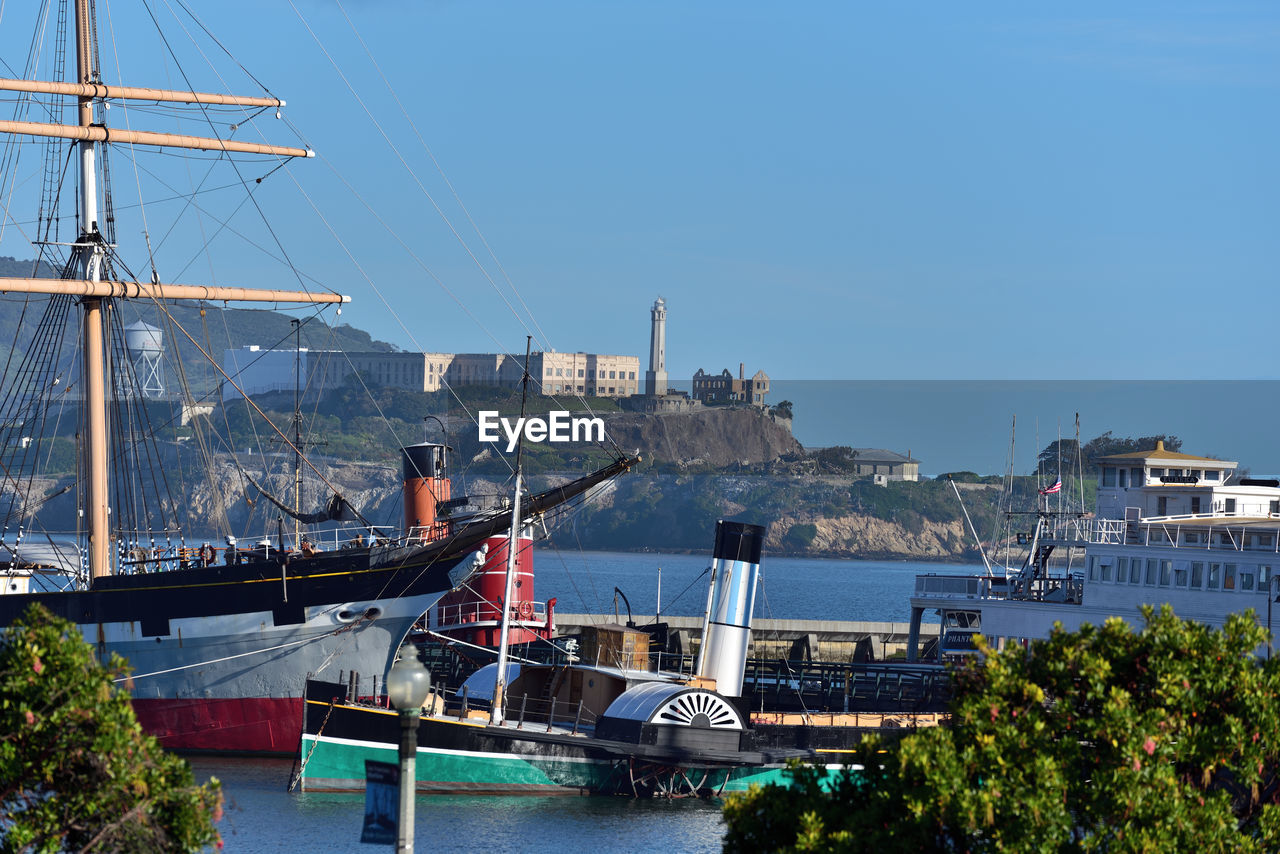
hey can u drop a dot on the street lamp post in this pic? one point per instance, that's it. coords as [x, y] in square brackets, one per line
[408, 684]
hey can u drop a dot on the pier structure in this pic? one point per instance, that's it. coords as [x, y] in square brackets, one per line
[794, 640]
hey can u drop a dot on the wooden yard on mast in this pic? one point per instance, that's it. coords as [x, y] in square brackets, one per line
[89, 248]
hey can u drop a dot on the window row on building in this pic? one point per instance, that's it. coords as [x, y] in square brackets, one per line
[1185, 574]
[598, 375]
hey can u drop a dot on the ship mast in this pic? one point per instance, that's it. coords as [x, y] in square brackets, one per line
[89, 252]
[496, 711]
[297, 429]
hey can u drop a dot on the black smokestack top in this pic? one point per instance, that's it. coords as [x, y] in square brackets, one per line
[739, 541]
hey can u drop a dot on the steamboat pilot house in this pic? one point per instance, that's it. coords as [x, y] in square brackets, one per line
[1169, 528]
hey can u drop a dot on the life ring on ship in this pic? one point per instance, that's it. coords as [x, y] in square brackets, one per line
[206, 554]
[526, 610]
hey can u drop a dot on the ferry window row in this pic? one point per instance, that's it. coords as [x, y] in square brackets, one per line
[1190, 575]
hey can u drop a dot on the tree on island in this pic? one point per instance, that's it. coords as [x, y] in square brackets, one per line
[76, 771]
[1062, 455]
[1101, 739]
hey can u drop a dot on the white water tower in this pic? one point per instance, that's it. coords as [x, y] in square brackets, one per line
[146, 350]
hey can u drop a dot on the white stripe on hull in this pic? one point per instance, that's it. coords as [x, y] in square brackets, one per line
[441, 751]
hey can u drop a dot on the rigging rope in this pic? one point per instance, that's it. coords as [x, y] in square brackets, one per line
[435, 205]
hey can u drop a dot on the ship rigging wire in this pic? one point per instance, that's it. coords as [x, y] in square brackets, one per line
[435, 205]
[542, 336]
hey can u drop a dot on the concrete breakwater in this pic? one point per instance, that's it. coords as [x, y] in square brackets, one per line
[794, 640]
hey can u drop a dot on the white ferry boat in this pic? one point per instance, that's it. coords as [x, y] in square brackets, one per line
[1168, 528]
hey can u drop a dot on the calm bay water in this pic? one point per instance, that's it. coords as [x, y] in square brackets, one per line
[262, 817]
[903, 415]
[790, 588]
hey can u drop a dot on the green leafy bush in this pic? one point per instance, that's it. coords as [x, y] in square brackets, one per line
[76, 771]
[1103, 739]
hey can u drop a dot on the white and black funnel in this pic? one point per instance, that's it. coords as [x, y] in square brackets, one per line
[726, 630]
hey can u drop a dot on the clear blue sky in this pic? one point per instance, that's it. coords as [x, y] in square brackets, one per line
[822, 190]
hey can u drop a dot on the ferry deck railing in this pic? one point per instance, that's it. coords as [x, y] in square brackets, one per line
[1188, 530]
[778, 684]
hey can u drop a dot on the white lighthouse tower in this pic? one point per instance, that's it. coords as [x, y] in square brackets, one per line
[655, 379]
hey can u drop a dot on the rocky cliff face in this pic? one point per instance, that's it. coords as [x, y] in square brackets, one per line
[373, 488]
[652, 509]
[868, 537]
[637, 511]
[802, 517]
[718, 438]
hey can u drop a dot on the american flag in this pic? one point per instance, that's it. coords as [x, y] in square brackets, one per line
[1057, 487]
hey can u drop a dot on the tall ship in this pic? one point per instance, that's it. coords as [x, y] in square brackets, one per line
[1168, 528]
[219, 639]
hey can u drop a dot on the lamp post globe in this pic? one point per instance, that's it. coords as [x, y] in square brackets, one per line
[408, 682]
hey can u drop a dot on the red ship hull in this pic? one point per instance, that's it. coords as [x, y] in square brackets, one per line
[255, 725]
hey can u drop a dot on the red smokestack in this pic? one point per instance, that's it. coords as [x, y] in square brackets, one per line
[425, 487]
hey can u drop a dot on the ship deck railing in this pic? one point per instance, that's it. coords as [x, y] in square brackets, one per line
[1067, 588]
[137, 552]
[777, 684]
[523, 711]
[845, 687]
[144, 554]
[466, 613]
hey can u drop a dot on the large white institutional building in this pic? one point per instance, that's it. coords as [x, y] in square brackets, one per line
[550, 373]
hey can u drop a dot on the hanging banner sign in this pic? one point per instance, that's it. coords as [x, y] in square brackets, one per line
[381, 802]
